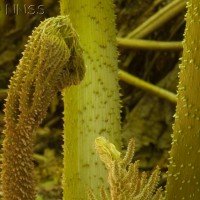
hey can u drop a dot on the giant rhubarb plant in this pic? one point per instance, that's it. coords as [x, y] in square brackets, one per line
[53, 60]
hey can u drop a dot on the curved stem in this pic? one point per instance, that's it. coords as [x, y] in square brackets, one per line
[52, 60]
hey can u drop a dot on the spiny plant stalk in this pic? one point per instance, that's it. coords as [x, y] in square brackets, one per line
[51, 61]
[184, 169]
[124, 178]
[92, 108]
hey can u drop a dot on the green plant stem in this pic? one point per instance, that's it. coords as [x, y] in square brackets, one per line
[158, 19]
[147, 86]
[184, 169]
[93, 109]
[149, 44]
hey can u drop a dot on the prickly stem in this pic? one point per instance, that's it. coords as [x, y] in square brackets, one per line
[51, 61]
[184, 168]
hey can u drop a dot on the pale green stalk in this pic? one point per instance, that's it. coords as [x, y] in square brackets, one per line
[93, 109]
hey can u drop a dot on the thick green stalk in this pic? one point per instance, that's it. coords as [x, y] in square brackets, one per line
[184, 168]
[93, 109]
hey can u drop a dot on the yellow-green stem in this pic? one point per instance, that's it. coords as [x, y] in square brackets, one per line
[184, 169]
[149, 44]
[158, 91]
[93, 109]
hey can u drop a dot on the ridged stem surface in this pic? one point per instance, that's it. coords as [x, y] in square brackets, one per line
[93, 109]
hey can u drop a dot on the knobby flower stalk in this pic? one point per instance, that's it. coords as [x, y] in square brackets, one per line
[124, 178]
[51, 61]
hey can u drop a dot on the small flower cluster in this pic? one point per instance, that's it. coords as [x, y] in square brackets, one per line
[124, 178]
